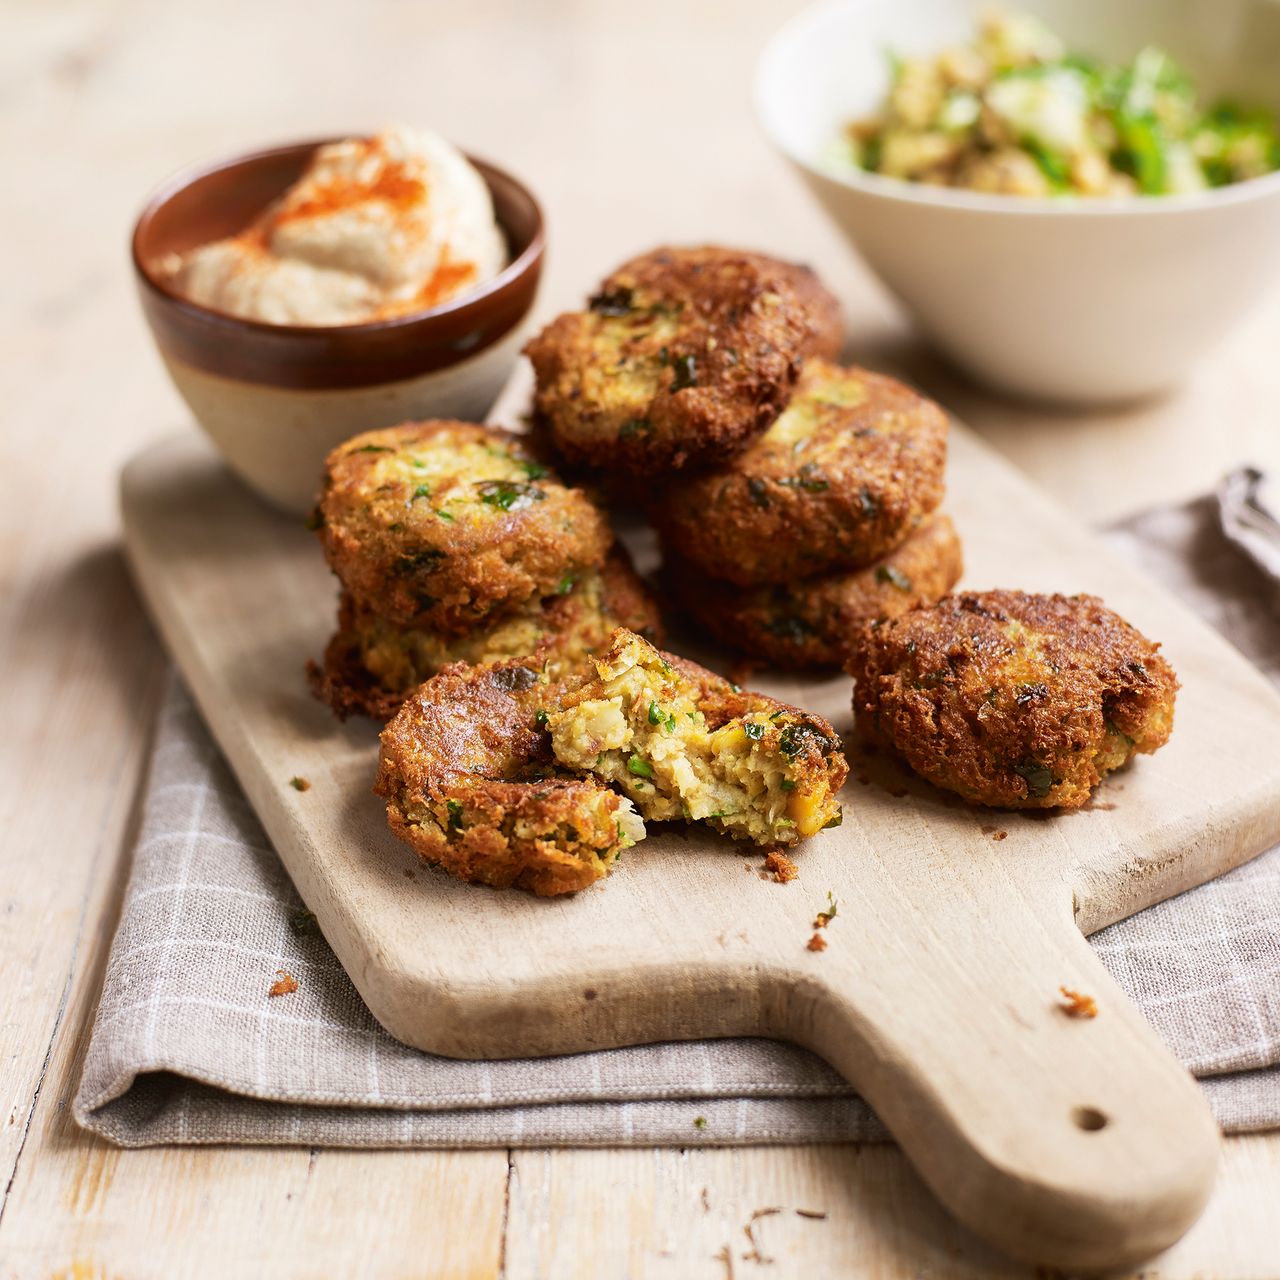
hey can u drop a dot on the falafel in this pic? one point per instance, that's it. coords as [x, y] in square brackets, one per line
[684, 743]
[445, 525]
[470, 784]
[371, 664]
[1013, 700]
[813, 622]
[681, 357]
[854, 463]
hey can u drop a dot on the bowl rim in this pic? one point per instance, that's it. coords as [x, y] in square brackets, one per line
[179, 181]
[900, 189]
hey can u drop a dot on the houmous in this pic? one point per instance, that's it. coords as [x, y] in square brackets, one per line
[374, 228]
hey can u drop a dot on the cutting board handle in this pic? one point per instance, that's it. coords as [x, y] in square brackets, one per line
[1070, 1141]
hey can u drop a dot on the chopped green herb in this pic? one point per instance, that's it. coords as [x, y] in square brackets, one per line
[422, 491]
[425, 560]
[299, 784]
[656, 715]
[1038, 777]
[372, 448]
[639, 766]
[787, 785]
[534, 470]
[565, 585]
[753, 729]
[541, 719]
[686, 372]
[836, 819]
[869, 503]
[509, 495]
[824, 918]
[445, 515]
[455, 814]
[614, 303]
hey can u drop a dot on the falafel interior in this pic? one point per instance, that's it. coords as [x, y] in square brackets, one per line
[1011, 699]
[470, 784]
[683, 743]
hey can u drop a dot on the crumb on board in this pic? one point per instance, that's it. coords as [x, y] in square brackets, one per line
[816, 943]
[818, 1215]
[408, 874]
[1000, 835]
[284, 985]
[299, 784]
[1075, 1004]
[780, 867]
[824, 918]
[704, 1200]
[700, 1122]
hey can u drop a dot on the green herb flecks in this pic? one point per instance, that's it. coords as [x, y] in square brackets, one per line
[639, 766]
[1037, 776]
[615, 302]
[685, 372]
[753, 729]
[509, 495]
[455, 814]
[425, 560]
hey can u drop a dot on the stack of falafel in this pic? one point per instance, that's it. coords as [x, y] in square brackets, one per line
[796, 499]
[456, 543]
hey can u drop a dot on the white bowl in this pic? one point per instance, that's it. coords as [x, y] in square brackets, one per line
[1080, 301]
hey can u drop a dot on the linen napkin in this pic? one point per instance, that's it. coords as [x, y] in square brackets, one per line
[190, 1046]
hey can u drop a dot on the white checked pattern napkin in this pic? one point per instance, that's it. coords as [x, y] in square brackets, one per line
[188, 1046]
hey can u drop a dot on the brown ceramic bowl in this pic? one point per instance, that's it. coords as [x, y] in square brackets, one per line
[276, 398]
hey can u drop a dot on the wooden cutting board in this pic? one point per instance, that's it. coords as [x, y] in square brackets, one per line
[1065, 1141]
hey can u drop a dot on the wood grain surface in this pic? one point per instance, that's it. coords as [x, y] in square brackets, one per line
[633, 124]
[1089, 1147]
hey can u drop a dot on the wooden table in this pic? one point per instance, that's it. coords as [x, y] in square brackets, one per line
[633, 122]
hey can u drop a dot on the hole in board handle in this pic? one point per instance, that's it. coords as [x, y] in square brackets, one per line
[1090, 1119]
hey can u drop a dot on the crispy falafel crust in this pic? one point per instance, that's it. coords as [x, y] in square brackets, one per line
[470, 784]
[682, 356]
[1013, 700]
[444, 524]
[370, 665]
[851, 467]
[814, 622]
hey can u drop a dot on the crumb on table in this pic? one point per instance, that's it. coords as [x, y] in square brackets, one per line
[816, 943]
[299, 784]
